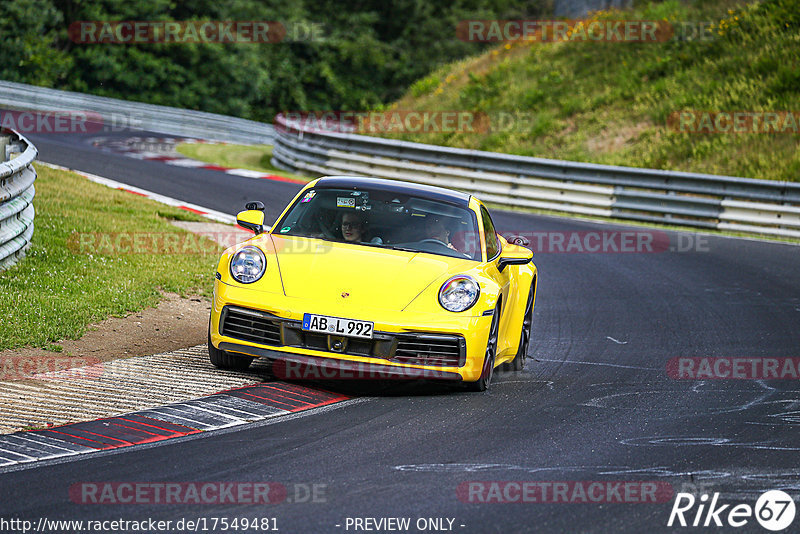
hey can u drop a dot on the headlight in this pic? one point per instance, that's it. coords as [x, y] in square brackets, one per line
[459, 293]
[248, 265]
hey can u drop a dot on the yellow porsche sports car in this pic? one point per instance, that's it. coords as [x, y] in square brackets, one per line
[372, 278]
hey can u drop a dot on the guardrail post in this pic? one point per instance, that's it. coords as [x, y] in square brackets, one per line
[4, 141]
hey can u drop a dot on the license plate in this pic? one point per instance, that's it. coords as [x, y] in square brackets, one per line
[337, 326]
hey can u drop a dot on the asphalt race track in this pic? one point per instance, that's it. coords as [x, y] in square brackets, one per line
[595, 404]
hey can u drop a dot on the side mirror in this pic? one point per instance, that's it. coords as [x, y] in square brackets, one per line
[514, 255]
[252, 220]
[255, 205]
[518, 240]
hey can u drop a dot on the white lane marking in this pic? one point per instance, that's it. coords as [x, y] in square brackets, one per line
[168, 416]
[35, 453]
[216, 406]
[186, 163]
[247, 173]
[617, 341]
[189, 409]
[54, 444]
[143, 155]
[169, 201]
[6, 452]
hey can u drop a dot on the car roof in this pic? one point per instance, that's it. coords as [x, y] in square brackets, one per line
[395, 186]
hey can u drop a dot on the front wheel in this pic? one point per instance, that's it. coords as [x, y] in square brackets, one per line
[482, 384]
[225, 360]
[518, 363]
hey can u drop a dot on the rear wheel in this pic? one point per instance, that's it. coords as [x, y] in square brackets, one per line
[225, 360]
[482, 384]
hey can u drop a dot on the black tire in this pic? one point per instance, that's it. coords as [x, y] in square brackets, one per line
[485, 380]
[518, 363]
[225, 360]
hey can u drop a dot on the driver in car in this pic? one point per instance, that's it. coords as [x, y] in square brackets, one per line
[437, 230]
[353, 227]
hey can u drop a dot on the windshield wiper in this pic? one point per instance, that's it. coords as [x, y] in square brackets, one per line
[391, 247]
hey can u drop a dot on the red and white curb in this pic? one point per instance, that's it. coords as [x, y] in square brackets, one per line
[136, 147]
[169, 201]
[139, 400]
[234, 407]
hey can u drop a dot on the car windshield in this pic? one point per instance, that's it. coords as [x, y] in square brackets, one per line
[385, 219]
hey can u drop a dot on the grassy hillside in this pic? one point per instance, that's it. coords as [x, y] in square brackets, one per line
[608, 102]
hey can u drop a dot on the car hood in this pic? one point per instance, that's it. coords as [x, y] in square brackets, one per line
[371, 277]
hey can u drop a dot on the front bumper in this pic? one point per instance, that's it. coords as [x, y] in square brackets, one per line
[290, 366]
[272, 330]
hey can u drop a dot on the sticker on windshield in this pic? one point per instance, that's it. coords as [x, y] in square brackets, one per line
[285, 229]
[309, 196]
[345, 202]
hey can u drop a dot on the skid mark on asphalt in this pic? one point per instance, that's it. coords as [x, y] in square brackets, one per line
[694, 441]
[736, 483]
[600, 363]
[606, 470]
[230, 408]
[549, 384]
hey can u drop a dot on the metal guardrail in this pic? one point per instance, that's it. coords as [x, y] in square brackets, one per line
[16, 197]
[117, 114]
[745, 205]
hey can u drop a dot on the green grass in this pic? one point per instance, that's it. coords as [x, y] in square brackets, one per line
[609, 102]
[59, 289]
[252, 157]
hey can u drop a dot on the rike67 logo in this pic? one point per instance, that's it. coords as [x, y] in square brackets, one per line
[774, 510]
